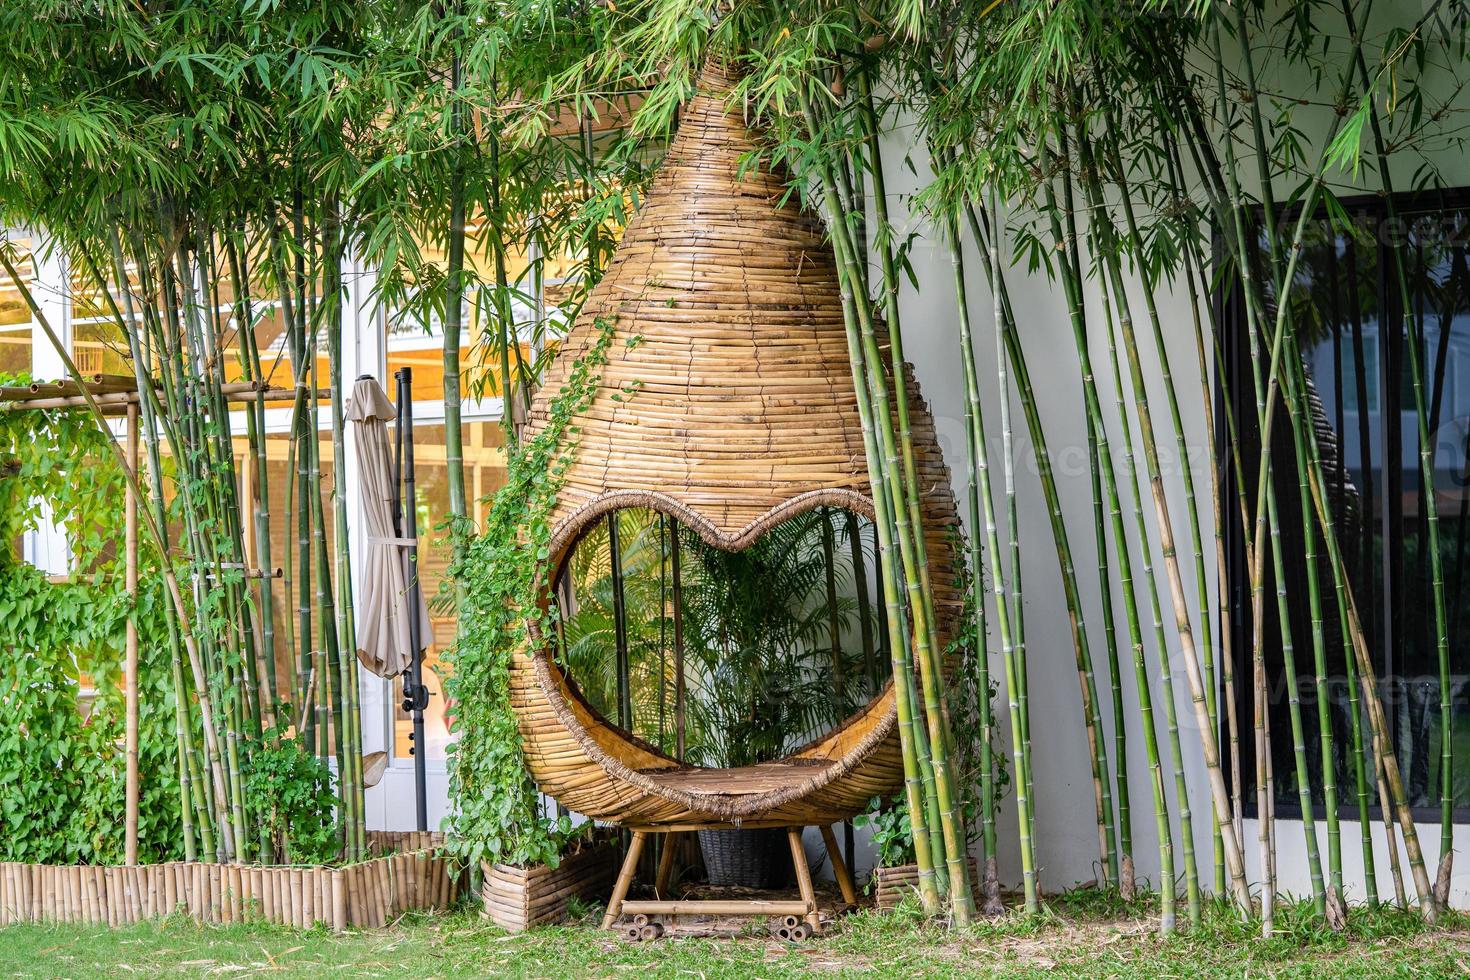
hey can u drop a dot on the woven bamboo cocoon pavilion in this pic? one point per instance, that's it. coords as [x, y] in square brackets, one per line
[727, 402]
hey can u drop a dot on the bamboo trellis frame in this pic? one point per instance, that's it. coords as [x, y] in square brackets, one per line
[117, 395]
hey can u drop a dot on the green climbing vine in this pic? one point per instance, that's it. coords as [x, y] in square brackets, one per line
[61, 652]
[501, 573]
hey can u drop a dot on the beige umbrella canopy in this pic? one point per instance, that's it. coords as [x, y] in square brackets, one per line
[382, 611]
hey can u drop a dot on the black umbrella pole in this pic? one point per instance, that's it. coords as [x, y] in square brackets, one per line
[415, 697]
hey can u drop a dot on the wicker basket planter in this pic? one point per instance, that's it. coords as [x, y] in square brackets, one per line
[746, 858]
[892, 885]
[517, 899]
[411, 874]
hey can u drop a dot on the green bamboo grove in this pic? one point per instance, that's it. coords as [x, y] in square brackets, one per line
[208, 215]
[1115, 171]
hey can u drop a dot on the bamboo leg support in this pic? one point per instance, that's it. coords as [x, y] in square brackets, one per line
[665, 865]
[804, 878]
[625, 879]
[840, 870]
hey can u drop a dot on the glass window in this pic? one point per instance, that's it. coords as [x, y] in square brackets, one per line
[99, 345]
[15, 314]
[282, 484]
[417, 344]
[1354, 325]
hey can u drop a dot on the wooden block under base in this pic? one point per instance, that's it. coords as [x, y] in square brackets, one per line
[893, 885]
[718, 907]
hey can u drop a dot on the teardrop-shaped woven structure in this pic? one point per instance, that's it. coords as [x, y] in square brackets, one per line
[727, 402]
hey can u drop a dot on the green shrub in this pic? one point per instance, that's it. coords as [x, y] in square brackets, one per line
[290, 795]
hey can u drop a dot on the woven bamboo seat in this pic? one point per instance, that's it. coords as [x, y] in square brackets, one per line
[763, 777]
[727, 402]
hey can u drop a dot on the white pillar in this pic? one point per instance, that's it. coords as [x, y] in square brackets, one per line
[45, 545]
[52, 290]
[361, 354]
[364, 351]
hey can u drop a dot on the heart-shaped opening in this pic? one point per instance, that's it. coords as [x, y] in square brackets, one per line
[722, 658]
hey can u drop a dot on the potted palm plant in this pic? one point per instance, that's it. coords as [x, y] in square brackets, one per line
[761, 669]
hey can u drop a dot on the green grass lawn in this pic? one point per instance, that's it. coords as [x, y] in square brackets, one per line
[1083, 934]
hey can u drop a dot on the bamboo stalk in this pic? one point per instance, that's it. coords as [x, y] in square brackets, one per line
[980, 477]
[1233, 856]
[1192, 516]
[1098, 427]
[905, 709]
[204, 701]
[454, 298]
[909, 523]
[350, 750]
[909, 543]
[130, 663]
[1352, 625]
[1428, 494]
[980, 229]
[191, 793]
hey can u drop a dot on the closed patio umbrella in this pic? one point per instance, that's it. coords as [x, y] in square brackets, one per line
[383, 634]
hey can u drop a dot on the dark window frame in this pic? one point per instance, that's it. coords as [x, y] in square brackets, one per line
[1385, 492]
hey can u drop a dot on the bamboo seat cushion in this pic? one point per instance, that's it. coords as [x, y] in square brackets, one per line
[727, 402]
[762, 777]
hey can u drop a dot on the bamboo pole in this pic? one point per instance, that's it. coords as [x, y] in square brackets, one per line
[454, 300]
[339, 900]
[867, 369]
[980, 228]
[1076, 313]
[840, 871]
[1207, 397]
[130, 668]
[625, 879]
[803, 876]
[717, 907]
[350, 751]
[190, 640]
[1428, 500]
[665, 865]
[191, 792]
[1192, 513]
[1234, 858]
[1115, 297]
[985, 520]
[1352, 625]
[883, 244]
[676, 582]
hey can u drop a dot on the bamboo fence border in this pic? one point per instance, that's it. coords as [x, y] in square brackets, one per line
[411, 873]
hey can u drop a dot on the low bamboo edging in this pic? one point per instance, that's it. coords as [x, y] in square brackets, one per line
[516, 899]
[369, 894]
[892, 885]
[381, 842]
